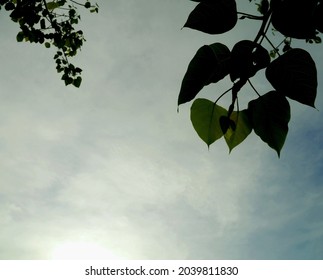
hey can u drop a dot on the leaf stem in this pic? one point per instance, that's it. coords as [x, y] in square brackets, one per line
[250, 16]
[264, 26]
[272, 45]
[253, 88]
[216, 101]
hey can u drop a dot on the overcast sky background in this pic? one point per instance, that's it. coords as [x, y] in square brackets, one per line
[111, 170]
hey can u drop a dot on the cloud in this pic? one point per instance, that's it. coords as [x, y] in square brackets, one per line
[113, 163]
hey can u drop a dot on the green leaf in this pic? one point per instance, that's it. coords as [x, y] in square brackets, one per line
[235, 135]
[209, 65]
[269, 116]
[294, 74]
[205, 117]
[54, 5]
[213, 17]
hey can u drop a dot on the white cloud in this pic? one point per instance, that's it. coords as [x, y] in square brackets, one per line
[113, 163]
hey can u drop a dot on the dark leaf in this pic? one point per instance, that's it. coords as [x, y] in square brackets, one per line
[294, 74]
[213, 16]
[225, 123]
[205, 117]
[294, 18]
[319, 17]
[247, 57]
[269, 116]
[209, 65]
[42, 24]
[77, 82]
[263, 7]
[9, 6]
[20, 37]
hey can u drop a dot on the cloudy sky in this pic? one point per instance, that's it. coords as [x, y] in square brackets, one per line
[111, 170]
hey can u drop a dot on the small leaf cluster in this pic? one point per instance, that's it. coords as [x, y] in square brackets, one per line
[52, 24]
[292, 72]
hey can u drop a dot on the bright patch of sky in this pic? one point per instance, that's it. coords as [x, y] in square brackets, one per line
[111, 170]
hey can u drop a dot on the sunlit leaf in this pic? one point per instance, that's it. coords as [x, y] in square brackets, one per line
[209, 65]
[294, 74]
[213, 16]
[269, 115]
[205, 117]
[53, 5]
[238, 133]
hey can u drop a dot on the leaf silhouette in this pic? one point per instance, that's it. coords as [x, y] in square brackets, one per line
[247, 57]
[213, 16]
[294, 74]
[294, 18]
[209, 65]
[319, 17]
[269, 116]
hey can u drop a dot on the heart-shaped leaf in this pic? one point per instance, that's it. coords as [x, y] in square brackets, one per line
[269, 115]
[236, 134]
[205, 117]
[210, 64]
[213, 16]
[247, 57]
[294, 18]
[294, 74]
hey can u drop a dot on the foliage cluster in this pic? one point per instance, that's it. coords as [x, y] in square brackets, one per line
[52, 23]
[291, 71]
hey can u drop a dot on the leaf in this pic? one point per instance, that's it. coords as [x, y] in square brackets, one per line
[209, 65]
[77, 82]
[213, 16]
[54, 5]
[294, 74]
[235, 135]
[42, 23]
[269, 115]
[294, 18]
[318, 17]
[263, 7]
[205, 117]
[247, 57]
[20, 36]
[9, 6]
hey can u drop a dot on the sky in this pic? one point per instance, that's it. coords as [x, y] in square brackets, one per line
[112, 171]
